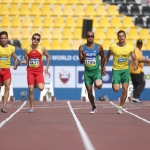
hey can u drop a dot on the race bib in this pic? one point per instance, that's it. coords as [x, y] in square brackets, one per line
[122, 60]
[34, 62]
[90, 62]
[3, 58]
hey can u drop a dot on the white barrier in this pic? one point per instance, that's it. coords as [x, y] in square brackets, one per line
[11, 93]
[130, 93]
[48, 93]
[84, 94]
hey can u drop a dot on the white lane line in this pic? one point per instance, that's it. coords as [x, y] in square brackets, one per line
[7, 119]
[86, 141]
[47, 107]
[132, 108]
[143, 119]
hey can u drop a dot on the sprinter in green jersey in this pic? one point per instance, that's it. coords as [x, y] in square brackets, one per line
[89, 55]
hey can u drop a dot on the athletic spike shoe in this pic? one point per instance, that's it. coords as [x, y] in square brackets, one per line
[3, 109]
[94, 110]
[31, 111]
[120, 111]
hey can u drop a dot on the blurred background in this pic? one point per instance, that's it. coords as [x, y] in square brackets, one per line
[63, 25]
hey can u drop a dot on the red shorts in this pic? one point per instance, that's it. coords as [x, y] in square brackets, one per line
[4, 74]
[35, 77]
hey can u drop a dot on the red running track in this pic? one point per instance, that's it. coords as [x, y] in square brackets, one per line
[53, 127]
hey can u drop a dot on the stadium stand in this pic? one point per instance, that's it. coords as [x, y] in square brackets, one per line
[60, 21]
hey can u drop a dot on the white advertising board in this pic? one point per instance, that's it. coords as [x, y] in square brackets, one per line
[64, 77]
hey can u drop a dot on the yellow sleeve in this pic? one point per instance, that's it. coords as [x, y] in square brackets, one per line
[137, 53]
[132, 48]
[13, 49]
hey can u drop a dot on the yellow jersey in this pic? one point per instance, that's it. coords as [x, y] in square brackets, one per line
[139, 56]
[5, 56]
[121, 55]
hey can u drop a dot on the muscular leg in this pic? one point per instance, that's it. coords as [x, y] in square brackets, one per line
[40, 86]
[116, 87]
[98, 84]
[31, 96]
[6, 93]
[124, 93]
[90, 95]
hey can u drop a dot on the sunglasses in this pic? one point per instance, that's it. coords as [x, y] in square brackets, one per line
[90, 36]
[36, 39]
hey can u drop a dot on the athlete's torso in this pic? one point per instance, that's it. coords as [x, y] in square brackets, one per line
[121, 55]
[92, 57]
[5, 56]
[35, 59]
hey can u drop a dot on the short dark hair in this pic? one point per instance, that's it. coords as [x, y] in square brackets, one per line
[139, 42]
[121, 31]
[4, 33]
[36, 34]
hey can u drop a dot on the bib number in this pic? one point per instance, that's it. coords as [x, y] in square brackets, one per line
[90, 62]
[121, 60]
[34, 63]
[3, 58]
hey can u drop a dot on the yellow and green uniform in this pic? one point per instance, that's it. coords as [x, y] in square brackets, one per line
[5, 56]
[120, 72]
[91, 65]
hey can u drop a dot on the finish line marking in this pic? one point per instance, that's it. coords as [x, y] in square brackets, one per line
[7, 119]
[86, 141]
[147, 121]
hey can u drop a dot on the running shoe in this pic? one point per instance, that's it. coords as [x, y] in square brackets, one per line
[94, 110]
[31, 111]
[120, 111]
[4, 110]
[136, 100]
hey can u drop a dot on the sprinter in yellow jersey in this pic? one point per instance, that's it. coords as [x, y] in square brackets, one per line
[120, 72]
[6, 52]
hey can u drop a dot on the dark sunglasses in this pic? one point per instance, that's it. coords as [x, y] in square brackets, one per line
[92, 36]
[36, 39]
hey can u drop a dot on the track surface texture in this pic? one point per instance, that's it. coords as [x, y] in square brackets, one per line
[68, 125]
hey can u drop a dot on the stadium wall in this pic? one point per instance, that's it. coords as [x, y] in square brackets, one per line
[66, 74]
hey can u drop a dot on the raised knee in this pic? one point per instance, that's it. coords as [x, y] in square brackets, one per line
[115, 89]
[41, 88]
[99, 86]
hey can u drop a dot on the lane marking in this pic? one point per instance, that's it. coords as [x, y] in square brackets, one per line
[7, 119]
[143, 119]
[47, 107]
[86, 141]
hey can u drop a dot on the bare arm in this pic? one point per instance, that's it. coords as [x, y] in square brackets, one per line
[47, 58]
[135, 60]
[106, 58]
[101, 53]
[15, 60]
[82, 55]
[24, 61]
[144, 61]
